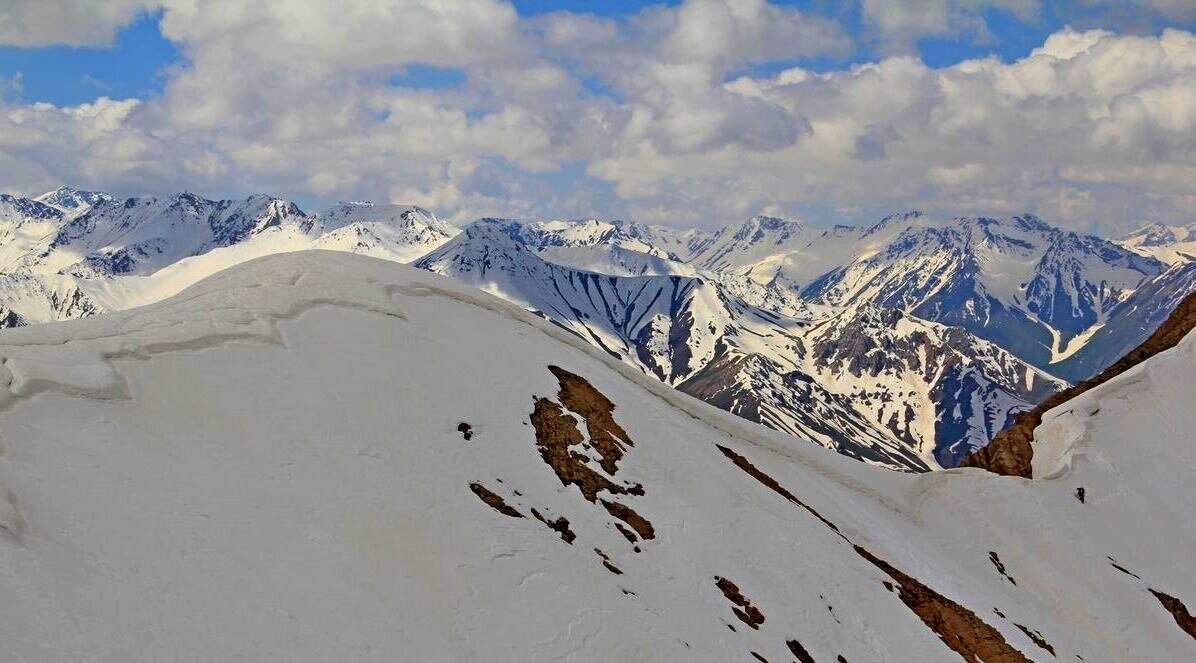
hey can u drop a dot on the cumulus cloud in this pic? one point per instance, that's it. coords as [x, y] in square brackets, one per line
[71, 22]
[898, 23]
[646, 116]
[1093, 129]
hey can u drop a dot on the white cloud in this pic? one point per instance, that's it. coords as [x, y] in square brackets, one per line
[736, 31]
[1085, 129]
[1091, 129]
[71, 22]
[956, 174]
[898, 23]
[1173, 9]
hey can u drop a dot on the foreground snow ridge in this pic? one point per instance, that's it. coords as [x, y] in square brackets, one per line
[321, 456]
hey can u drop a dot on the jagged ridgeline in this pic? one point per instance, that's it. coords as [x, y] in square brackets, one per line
[908, 344]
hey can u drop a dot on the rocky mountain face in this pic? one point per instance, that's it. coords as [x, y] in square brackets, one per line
[73, 202]
[749, 245]
[1019, 282]
[873, 383]
[395, 232]
[1170, 244]
[1067, 303]
[139, 236]
[1130, 322]
[71, 253]
[1011, 452]
[1064, 303]
[320, 456]
[908, 343]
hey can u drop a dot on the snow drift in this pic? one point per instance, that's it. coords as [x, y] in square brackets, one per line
[321, 456]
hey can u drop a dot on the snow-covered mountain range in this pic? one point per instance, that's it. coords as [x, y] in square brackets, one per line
[320, 456]
[907, 343]
[1171, 244]
[874, 383]
[70, 253]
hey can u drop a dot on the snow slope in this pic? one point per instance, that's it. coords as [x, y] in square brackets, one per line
[721, 314]
[319, 456]
[71, 201]
[1019, 282]
[1130, 322]
[80, 253]
[1171, 244]
[877, 385]
[1037, 290]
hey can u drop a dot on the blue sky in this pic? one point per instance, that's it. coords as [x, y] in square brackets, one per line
[135, 64]
[698, 112]
[62, 75]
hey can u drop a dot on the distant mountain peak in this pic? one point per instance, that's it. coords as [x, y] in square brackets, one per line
[69, 198]
[27, 208]
[1171, 244]
[750, 315]
[893, 220]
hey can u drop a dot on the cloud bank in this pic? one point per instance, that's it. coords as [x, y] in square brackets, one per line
[649, 116]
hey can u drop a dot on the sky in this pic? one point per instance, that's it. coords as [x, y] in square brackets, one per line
[684, 113]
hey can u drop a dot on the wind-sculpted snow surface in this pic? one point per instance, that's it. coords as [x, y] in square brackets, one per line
[1013, 451]
[271, 466]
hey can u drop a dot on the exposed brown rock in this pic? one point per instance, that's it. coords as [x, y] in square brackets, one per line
[743, 608]
[560, 526]
[465, 430]
[494, 501]
[959, 628]
[1114, 564]
[606, 436]
[746, 465]
[606, 562]
[627, 534]
[556, 431]
[1179, 611]
[1036, 638]
[996, 560]
[1011, 451]
[799, 651]
[758, 657]
[629, 516]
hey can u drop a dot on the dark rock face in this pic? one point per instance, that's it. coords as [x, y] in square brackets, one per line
[1011, 451]
[1130, 322]
[10, 318]
[936, 271]
[30, 209]
[874, 383]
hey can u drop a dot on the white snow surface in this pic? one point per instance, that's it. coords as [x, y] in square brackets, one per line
[1086, 427]
[267, 467]
[71, 253]
[1171, 244]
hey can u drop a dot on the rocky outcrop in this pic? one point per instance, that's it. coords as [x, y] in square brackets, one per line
[1011, 451]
